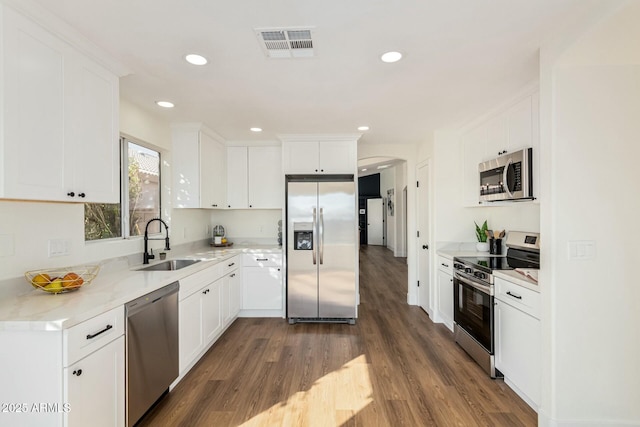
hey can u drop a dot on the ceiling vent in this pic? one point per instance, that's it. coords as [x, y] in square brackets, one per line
[286, 42]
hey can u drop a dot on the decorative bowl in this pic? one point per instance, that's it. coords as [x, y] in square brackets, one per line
[61, 280]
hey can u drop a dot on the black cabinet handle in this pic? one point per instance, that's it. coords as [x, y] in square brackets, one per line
[233, 275]
[81, 195]
[231, 265]
[446, 265]
[262, 259]
[71, 194]
[425, 246]
[513, 295]
[250, 206]
[78, 372]
[92, 336]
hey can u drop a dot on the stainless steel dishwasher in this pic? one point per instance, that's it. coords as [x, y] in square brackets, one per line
[152, 349]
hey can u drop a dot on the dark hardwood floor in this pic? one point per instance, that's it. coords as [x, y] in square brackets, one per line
[393, 368]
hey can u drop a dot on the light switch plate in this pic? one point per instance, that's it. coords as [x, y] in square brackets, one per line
[582, 249]
[59, 247]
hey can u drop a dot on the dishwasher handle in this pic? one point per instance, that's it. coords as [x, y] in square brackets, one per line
[140, 303]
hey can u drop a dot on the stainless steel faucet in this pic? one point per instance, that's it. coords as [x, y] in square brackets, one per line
[147, 256]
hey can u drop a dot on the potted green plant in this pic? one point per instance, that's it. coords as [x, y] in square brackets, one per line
[481, 235]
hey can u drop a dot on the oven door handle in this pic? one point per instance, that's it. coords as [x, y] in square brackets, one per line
[504, 178]
[475, 285]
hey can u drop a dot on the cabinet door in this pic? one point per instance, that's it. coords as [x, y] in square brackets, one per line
[94, 388]
[211, 311]
[473, 149]
[34, 104]
[93, 133]
[445, 298]
[497, 138]
[235, 294]
[237, 178]
[519, 125]
[301, 157]
[266, 180]
[337, 157]
[262, 288]
[191, 334]
[213, 176]
[231, 292]
[518, 349]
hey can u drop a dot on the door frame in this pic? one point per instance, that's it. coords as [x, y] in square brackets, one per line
[428, 281]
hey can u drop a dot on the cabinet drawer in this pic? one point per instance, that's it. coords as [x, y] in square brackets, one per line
[196, 281]
[87, 337]
[262, 260]
[230, 264]
[445, 264]
[518, 296]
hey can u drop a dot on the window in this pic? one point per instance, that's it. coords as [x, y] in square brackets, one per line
[140, 169]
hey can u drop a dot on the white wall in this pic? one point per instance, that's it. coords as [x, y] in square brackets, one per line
[590, 109]
[250, 225]
[388, 182]
[27, 227]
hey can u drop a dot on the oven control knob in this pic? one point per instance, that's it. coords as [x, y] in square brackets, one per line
[480, 275]
[468, 270]
[458, 266]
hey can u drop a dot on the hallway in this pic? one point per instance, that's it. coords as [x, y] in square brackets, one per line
[394, 367]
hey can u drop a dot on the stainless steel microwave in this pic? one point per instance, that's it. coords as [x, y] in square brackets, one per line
[508, 177]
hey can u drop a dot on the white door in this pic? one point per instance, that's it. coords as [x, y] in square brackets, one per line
[422, 174]
[375, 224]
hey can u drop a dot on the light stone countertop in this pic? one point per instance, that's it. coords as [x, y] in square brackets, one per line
[41, 311]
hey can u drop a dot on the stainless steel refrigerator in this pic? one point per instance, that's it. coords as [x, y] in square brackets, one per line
[321, 249]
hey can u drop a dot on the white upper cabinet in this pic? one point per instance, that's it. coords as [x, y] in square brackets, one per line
[60, 119]
[237, 178]
[512, 129]
[266, 181]
[199, 176]
[254, 177]
[320, 155]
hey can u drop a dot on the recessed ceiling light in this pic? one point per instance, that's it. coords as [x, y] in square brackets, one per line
[165, 104]
[391, 57]
[363, 169]
[383, 166]
[195, 59]
[256, 129]
[363, 128]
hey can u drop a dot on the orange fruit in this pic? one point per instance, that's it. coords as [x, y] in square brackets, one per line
[72, 280]
[41, 280]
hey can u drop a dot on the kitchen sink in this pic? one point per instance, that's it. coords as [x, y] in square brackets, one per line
[174, 264]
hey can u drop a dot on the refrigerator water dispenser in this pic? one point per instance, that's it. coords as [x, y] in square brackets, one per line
[303, 236]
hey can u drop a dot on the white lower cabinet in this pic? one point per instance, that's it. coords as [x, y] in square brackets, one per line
[191, 336]
[95, 388]
[262, 285]
[71, 377]
[200, 322]
[231, 296]
[445, 291]
[518, 339]
[209, 303]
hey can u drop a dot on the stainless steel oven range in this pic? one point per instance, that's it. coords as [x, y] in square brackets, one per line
[473, 295]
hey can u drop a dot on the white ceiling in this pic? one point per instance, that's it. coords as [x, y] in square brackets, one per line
[460, 58]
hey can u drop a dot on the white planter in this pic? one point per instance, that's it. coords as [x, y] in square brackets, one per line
[482, 246]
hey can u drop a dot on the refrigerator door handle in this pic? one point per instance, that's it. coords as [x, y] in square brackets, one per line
[321, 237]
[315, 237]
